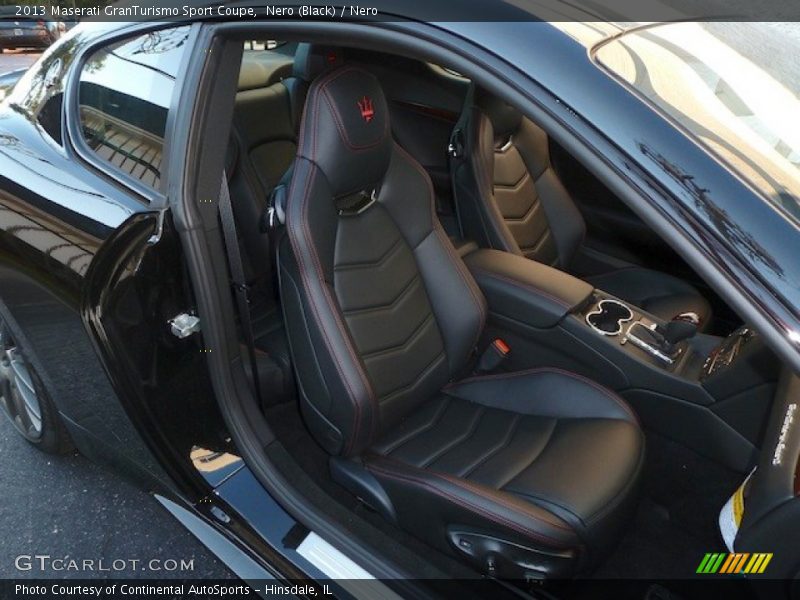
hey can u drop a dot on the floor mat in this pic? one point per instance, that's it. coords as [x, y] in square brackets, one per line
[285, 421]
[676, 524]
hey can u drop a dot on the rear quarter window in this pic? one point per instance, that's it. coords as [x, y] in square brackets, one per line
[125, 93]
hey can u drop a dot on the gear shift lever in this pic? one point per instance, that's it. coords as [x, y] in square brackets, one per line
[661, 341]
[677, 330]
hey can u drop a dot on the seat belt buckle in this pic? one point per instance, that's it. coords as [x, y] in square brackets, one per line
[495, 355]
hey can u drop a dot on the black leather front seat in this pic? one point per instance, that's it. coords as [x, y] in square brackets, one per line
[510, 198]
[533, 471]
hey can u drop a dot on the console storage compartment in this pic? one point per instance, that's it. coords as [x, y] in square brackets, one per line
[526, 291]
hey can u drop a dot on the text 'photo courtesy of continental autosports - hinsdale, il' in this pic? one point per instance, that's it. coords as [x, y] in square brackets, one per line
[490, 299]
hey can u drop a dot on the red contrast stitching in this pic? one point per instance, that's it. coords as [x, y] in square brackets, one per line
[437, 228]
[326, 293]
[478, 509]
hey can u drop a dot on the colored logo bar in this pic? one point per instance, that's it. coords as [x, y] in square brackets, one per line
[735, 563]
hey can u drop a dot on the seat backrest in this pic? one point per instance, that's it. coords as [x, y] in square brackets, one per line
[267, 132]
[269, 104]
[380, 311]
[268, 108]
[509, 196]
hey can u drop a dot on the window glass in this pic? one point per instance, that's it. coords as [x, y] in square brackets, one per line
[730, 93]
[124, 97]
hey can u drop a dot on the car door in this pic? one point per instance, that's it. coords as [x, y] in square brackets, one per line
[611, 227]
[139, 302]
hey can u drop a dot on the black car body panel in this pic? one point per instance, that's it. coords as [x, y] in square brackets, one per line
[90, 276]
[57, 216]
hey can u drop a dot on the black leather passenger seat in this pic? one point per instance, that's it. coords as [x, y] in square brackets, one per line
[267, 116]
[533, 473]
[511, 198]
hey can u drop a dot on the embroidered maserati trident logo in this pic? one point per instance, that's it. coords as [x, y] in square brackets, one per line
[365, 105]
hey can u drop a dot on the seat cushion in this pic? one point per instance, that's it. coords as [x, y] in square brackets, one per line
[659, 294]
[543, 458]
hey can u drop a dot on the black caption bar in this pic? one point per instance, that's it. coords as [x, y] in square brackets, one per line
[421, 10]
[198, 589]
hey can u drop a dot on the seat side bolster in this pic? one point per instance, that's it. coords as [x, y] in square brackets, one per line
[565, 219]
[343, 369]
[457, 302]
[476, 184]
[467, 504]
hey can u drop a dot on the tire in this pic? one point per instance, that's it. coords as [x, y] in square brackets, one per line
[25, 401]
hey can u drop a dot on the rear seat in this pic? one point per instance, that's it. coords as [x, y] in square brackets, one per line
[263, 144]
[269, 105]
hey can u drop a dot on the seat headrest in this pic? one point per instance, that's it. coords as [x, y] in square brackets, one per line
[310, 60]
[345, 130]
[261, 70]
[504, 117]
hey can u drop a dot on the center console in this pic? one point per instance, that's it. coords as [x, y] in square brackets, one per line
[713, 393]
[664, 343]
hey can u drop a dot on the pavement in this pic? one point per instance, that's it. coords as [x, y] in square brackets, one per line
[772, 46]
[68, 508]
[17, 59]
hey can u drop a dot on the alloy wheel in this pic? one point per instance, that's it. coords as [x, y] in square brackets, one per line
[18, 395]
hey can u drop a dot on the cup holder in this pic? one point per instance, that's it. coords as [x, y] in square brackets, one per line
[608, 316]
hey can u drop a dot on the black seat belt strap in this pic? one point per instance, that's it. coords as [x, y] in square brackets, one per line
[238, 279]
[457, 150]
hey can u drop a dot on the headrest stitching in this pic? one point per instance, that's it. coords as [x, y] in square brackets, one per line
[301, 147]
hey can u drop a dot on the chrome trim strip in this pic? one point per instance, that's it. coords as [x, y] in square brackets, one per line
[346, 573]
[641, 344]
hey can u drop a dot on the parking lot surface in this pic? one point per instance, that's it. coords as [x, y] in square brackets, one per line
[71, 510]
[11, 60]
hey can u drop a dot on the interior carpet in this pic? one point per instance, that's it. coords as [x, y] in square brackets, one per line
[676, 524]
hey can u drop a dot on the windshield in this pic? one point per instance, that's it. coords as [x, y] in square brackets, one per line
[730, 87]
